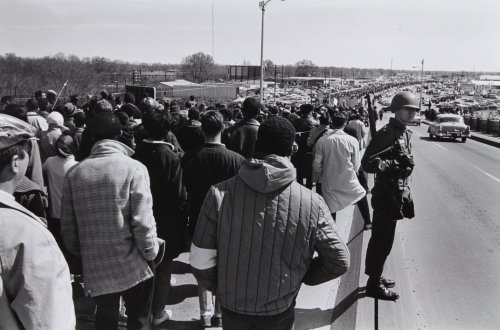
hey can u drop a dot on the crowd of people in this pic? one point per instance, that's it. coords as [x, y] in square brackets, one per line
[124, 186]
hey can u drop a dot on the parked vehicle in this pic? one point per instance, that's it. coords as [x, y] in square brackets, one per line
[417, 120]
[449, 126]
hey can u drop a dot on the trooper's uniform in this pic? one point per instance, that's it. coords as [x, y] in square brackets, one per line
[389, 156]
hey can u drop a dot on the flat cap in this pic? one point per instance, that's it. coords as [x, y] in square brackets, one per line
[14, 131]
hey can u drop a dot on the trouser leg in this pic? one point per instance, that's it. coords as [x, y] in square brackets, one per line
[364, 209]
[163, 275]
[205, 299]
[380, 244]
[106, 317]
[138, 302]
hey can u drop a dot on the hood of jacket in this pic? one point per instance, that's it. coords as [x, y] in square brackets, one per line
[268, 174]
[107, 147]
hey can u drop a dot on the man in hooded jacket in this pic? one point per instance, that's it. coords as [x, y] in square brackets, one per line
[257, 233]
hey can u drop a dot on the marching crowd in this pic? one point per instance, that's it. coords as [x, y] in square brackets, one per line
[124, 186]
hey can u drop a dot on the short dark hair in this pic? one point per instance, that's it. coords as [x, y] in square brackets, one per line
[129, 97]
[251, 107]
[276, 136]
[6, 99]
[338, 120]
[79, 119]
[157, 123]
[103, 106]
[17, 110]
[212, 122]
[15, 150]
[227, 113]
[32, 104]
[106, 126]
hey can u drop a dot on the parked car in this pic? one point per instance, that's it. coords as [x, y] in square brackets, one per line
[417, 120]
[449, 126]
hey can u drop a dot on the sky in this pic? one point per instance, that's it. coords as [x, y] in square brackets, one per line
[455, 35]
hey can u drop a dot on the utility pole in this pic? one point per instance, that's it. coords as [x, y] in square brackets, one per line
[275, 83]
[421, 81]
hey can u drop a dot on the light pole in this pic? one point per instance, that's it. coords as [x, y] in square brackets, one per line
[421, 81]
[262, 6]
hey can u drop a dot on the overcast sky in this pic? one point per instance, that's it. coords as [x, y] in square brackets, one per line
[448, 34]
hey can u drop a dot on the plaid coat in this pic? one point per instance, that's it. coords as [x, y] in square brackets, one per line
[107, 218]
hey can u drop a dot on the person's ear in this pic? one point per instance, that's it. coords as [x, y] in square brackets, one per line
[15, 164]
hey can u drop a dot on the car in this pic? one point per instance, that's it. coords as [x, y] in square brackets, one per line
[449, 126]
[417, 120]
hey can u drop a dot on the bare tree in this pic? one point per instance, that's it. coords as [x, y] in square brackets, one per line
[306, 68]
[198, 66]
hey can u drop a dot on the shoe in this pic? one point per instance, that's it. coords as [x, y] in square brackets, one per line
[381, 292]
[367, 226]
[167, 315]
[205, 321]
[216, 321]
[387, 283]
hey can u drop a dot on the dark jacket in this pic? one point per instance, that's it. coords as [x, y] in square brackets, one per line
[165, 173]
[241, 137]
[383, 156]
[203, 167]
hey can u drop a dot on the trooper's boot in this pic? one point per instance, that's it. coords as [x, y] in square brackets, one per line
[376, 289]
[387, 282]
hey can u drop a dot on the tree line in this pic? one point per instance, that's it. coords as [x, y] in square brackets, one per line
[20, 76]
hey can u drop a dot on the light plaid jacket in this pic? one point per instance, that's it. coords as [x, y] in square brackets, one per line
[107, 218]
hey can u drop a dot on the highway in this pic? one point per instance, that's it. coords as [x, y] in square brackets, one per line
[447, 259]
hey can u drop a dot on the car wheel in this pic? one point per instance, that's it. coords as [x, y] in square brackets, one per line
[464, 139]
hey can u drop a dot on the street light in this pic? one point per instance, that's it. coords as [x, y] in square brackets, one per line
[262, 6]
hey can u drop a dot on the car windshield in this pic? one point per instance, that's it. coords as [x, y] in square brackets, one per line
[450, 120]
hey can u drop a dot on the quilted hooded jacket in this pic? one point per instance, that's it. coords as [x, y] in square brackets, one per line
[256, 236]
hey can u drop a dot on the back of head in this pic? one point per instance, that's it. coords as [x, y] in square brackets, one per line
[306, 109]
[251, 108]
[32, 104]
[212, 123]
[338, 120]
[65, 145]
[129, 109]
[79, 119]
[148, 103]
[276, 136]
[17, 110]
[103, 106]
[129, 98]
[227, 113]
[106, 126]
[157, 124]
[193, 114]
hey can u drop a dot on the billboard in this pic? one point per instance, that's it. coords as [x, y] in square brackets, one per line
[244, 72]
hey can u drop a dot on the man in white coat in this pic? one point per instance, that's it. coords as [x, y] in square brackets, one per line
[35, 286]
[336, 162]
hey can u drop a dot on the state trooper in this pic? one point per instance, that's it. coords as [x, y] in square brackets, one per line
[389, 156]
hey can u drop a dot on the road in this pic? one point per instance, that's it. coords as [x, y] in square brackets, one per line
[447, 258]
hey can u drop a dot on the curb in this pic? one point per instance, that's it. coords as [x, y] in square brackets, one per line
[489, 141]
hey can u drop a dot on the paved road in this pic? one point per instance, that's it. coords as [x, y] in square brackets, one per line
[447, 259]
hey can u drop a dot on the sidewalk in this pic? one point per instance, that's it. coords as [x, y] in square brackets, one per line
[317, 306]
[482, 137]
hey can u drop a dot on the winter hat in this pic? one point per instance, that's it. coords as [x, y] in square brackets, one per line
[276, 136]
[55, 118]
